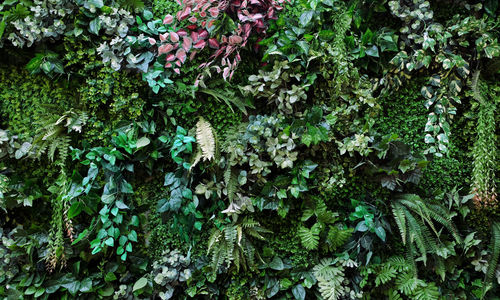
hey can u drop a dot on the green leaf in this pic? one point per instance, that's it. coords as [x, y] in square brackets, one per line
[427, 92]
[110, 242]
[198, 225]
[107, 291]
[380, 232]
[119, 204]
[96, 3]
[147, 15]
[134, 221]
[304, 46]
[75, 210]
[95, 26]
[188, 194]
[372, 51]
[277, 264]
[299, 292]
[142, 142]
[110, 276]
[326, 35]
[86, 285]
[306, 139]
[126, 188]
[132, 236]
[306, 17]
[30, 291]
[139, 284]
[39, 291]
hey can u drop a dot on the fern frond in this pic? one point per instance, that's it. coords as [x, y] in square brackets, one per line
[399, 216]
[337, 237]
[475, 87]
[407, 283]
[231, 181]
[310, 237]
[428, 291]
[214, 238]
[206, 139]
[398, 262]
[385, 274]
[394, 295]
[330, 278]
[331, 289]
[494, 258]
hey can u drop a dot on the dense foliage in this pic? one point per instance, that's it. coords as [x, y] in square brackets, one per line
[299, 149]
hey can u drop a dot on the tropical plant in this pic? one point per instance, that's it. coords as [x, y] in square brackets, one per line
[485, 148]
[415, 220]
[233, 244]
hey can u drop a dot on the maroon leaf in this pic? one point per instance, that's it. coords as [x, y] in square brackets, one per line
[213, 43]
[165, 48]
[174, 37]
[176, 70]
[181, 55]
[182, 32]
[194, 36]
[168, 19]
[235, 39]
[200, 44]
[178, 63]
[164, 36]
[152, 41]
[168, 65]
[193, 19]
[187, 43]
[183, 14]
[203, 34]
[214, 12]
[170, 57]
[225, 73]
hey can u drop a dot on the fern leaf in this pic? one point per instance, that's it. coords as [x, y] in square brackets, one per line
[206, 139]
[385, 274]
[310, 237]
[326, 269]
[399, 216]
[407, 283]
[426, 292]
[337, 237]
[331, 289]
[394, 295]
[495, 254]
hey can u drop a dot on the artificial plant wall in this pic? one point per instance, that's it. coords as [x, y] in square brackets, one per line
[257, 149]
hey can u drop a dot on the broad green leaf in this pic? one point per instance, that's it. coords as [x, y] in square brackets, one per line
[95, 26]
[299, 292]
[139, 284]
[75, 210]
[142, 142]
[306, 17]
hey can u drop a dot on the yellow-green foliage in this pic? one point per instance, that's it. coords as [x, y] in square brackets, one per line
[22, 97]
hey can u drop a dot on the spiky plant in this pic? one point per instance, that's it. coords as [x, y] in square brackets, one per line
[206, 139]
[52, 134]
[485, 148]
[493, 261]
[233, 244]
[416, 220]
